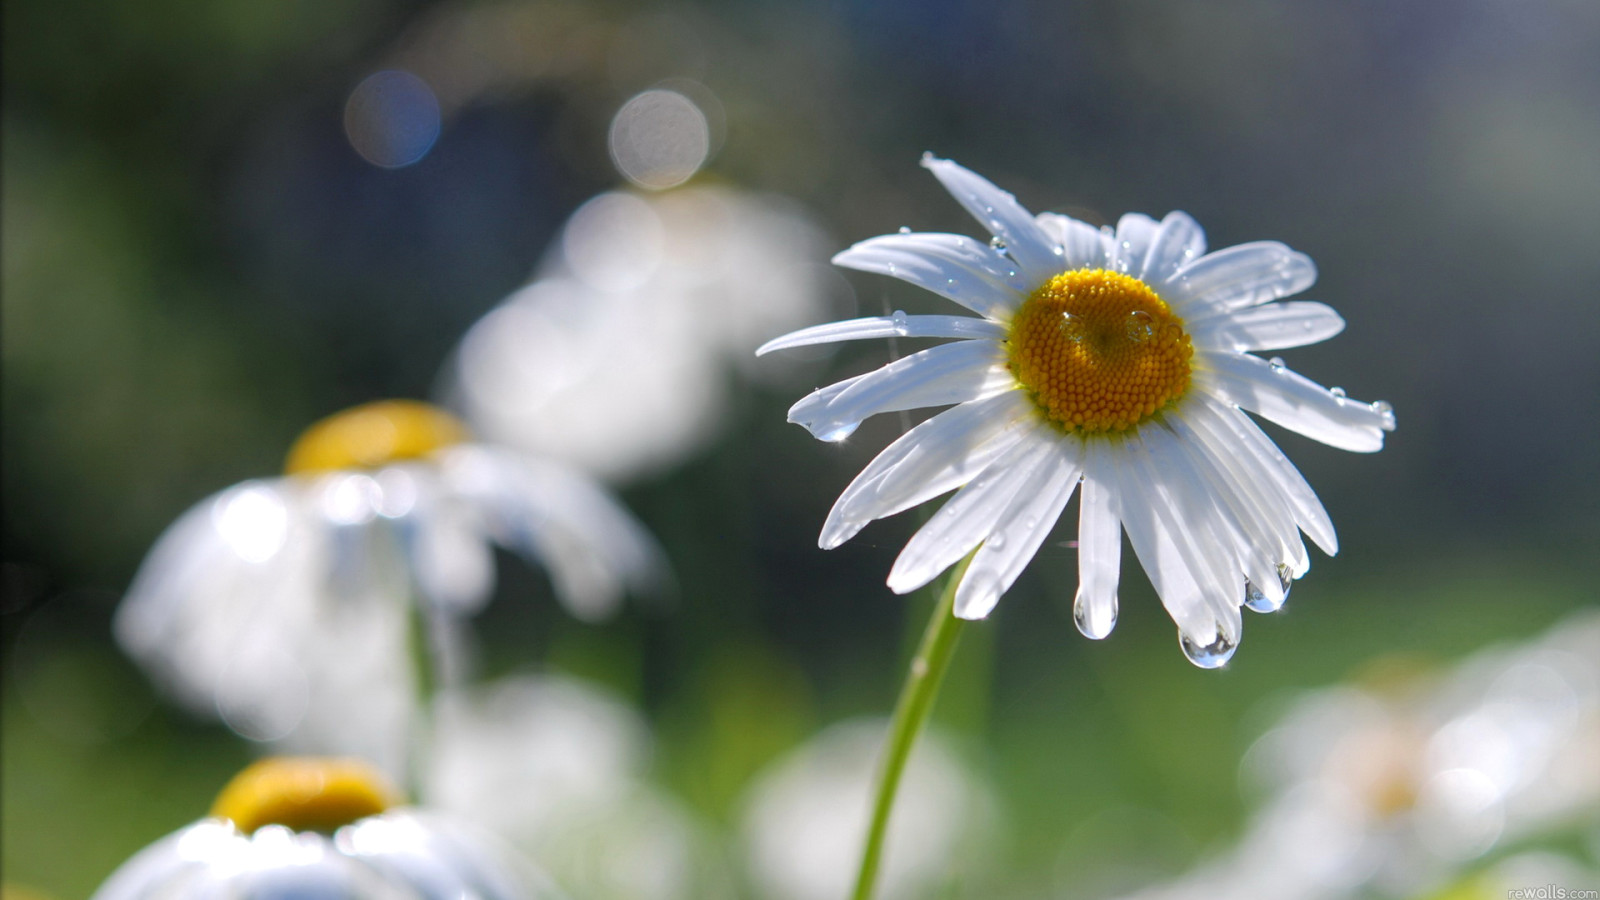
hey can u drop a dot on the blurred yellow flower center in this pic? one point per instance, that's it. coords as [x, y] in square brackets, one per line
[1099, 351]
[374, 435]
[304, 793]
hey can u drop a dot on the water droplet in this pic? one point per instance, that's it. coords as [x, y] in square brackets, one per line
[1094, 620]
[891, 268]
[1276, 364]
[1338, 393]
[905, 229]
[1285, 578]
[996, 541]
[1011, 273]
[1256, 600]
[900, 322]
[1073, 328]
[997, 243]
[1108, 231]
[1058, 250]
[1385, 413]
[927, 156]
[1140, 325]
[1308, 325]
[1208, 656]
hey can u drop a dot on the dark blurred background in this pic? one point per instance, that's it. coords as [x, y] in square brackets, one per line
[198, 262]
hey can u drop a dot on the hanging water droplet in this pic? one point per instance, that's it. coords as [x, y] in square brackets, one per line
[1285, 578]
[1385, 413]
[900, 321]
[1094, 620]
[1276, 364]
[1140, 326]
[1256, 600]
[1208, 656]
[1338, 393]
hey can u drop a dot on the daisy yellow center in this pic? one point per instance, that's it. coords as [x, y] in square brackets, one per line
[1098, 351]
[374, 435]
[304, 793]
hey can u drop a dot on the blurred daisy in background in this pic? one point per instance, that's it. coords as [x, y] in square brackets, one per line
[326, 828]
[1118, 358]
[618, 358]
[557, 767]
[1401, 789]
[805, 816]
[288, 606]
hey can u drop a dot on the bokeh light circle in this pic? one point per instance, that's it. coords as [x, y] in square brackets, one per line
[659, 139]
[392, 118]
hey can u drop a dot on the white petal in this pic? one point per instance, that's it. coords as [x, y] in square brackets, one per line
[558, 518]
[1206, 525]
[1259, 544]
[937, 376]
[1172, 539]
[1237, 277]
[1083, 245]
[1294, 401]
[1035, 252]
[1271, 326]
[1265, 505]
[1023, 526]
[936, 456]
[1153, 545]
[1099, 543]
[1135, 234]
[951, 265]
[970, 515]
[1177, 242]
[900, 325]
[1281, 473]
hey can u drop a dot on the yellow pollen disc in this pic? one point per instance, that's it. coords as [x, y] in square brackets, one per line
[305, 793]
[374, 435]
[1099, 351]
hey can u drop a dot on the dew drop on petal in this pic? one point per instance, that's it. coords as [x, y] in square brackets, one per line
[905, 229]
[996, 540]
[901, 323]
[1276, 363]
[1338, 393]
[1385, 413]
[1256, 600]
[1095, 623]
[1208, 656]
[997, 244]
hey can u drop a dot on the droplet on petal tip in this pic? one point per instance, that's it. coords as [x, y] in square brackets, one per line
[1094, 624]
[1208, 656]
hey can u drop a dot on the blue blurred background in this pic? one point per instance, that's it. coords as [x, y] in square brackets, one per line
[223, 220]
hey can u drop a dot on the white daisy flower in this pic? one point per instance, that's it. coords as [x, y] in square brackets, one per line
[1115, 358]
[331, 828]
[285, 606]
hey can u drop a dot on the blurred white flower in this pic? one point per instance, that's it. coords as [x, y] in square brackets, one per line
[286, 606]
[556, 767]
[1394, 792]
[326, 829]
[805, 818]
[616, 358]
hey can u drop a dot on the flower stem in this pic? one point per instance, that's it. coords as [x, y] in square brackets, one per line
[910, 712]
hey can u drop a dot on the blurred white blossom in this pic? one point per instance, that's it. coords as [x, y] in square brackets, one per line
[1399, 790]
[286, 606]
[805, 818]
[616, 359]
[557, 767]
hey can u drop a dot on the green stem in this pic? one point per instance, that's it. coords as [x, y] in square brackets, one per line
[910, 712]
